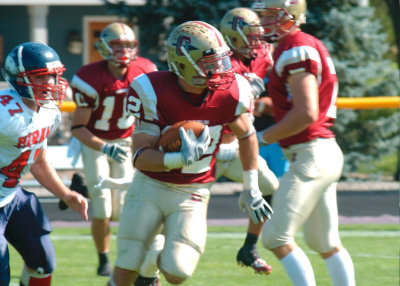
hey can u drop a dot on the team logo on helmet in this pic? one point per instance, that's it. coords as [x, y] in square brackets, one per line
[238, 22]
[184, 41]
[11, 66]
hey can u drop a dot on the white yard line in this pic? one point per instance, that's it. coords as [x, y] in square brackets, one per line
[224, 235]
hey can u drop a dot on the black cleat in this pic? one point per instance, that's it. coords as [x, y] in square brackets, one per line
[104, 269]
[144, 281]
[78, 185]
[249, 257]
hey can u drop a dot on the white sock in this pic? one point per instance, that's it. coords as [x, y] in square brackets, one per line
[298, 268]
[341, 268]
[149, 267]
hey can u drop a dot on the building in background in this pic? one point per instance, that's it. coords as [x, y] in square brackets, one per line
[69, 26]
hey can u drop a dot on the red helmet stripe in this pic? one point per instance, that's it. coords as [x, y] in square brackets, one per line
[123, 27]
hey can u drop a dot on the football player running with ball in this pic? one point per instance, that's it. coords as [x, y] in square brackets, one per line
[29, 113]
[173, 189]
[103, 125]
[303, 87]
[251, 58]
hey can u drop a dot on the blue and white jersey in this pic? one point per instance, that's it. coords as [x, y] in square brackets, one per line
[23, 134]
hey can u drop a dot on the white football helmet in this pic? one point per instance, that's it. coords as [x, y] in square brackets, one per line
[279, 17]
[198, 54]
[242, 31]
[118, 44]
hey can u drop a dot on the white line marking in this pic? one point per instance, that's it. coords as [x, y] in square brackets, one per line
[344, 233]
[223, 235]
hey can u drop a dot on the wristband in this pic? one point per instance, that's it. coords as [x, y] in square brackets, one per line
[250, 180]
[173, 160]
[77, 126]
[138, 153]
[248, 134]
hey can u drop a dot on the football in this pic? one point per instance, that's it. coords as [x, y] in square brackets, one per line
[170, 140]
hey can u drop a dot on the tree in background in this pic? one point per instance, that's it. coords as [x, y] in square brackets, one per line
[358, 46]
[354, 37]
[394, 10]
[158, 17]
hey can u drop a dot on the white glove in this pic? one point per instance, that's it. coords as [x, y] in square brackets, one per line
[115, 151]
[255, 204]
[256, 83]
[192, 147]
[227, 151]
[115, 184]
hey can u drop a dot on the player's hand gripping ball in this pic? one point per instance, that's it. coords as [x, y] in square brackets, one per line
[170, 140]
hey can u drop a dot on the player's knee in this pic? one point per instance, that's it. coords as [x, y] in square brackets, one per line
[46, 269]
[271, 241]
[267, 241]
[269, 187]
[131, 254]
[267, 180]
[101, 203]
[179, 262]
[320, 244]
[176, 274]
[43, 264]
[175, 280]
[101, 211]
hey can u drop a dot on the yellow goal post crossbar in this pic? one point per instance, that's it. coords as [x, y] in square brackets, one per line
[342, 103]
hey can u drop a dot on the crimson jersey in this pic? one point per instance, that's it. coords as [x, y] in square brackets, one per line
[95, 87]
[157, 98]
[258, 65]
[303, 53]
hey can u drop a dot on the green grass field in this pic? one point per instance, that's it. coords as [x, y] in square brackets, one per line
[374, 249]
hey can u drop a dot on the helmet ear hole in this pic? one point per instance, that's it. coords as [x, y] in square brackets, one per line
[182, 66]
[234, 39]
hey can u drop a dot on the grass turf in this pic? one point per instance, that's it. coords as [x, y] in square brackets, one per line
[374, 250]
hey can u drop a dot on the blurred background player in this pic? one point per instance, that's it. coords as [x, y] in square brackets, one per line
[251, 58]
[103, 125]
[29, 114]
[172, 189]
[303, 87]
